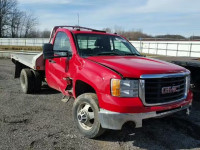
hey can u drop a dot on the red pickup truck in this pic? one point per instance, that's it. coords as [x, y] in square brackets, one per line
[111, 82]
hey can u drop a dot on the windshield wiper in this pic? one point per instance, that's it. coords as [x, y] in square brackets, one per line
[133, 54]
[107, 53]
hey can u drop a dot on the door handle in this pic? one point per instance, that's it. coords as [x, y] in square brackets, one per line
[51, 61]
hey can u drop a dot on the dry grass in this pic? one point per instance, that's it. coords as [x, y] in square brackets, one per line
[19, 48]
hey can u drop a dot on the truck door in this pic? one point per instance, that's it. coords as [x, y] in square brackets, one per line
[57, 68]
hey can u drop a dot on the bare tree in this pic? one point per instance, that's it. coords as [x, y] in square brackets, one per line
[130, 34]
[45, 34]
[6, 7]
[16, 19]
[30, 22]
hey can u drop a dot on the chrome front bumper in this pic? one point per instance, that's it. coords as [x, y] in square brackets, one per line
[115, 121]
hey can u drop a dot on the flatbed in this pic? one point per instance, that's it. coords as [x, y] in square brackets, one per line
[34, 61]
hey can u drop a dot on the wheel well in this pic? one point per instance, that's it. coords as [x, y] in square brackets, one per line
[82, 87]
[18, 68]
[128, 124]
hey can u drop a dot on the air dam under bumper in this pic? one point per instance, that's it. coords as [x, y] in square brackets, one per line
[115, 121]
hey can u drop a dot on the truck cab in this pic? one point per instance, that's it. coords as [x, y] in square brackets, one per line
[111, 82]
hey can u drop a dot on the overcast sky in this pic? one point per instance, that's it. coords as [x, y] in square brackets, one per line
[151, 16]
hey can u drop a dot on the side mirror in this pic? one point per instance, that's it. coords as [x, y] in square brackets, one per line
[48, 51]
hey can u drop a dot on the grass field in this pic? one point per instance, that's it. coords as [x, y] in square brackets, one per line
[19, 48]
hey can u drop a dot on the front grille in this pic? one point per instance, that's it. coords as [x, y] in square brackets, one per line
[154, 93]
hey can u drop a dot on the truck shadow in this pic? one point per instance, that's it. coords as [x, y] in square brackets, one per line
[196, 96]
[166, 133]
[47, 90]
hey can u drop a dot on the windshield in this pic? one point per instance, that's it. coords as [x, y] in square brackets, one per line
[98, 44]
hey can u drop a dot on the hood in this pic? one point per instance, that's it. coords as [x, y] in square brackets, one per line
[134, 66]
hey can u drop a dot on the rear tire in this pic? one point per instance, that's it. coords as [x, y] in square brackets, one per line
[27, 81]
[37, 81]
[85, 113]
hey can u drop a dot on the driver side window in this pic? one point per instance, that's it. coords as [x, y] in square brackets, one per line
[61, 44]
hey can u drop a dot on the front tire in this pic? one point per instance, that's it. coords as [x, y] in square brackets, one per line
[85, 113]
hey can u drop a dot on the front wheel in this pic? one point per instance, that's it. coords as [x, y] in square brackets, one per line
[85, 114]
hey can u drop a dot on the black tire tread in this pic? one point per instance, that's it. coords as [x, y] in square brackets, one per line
[37, 81]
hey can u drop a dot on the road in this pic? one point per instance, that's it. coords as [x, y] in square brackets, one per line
[42, 121]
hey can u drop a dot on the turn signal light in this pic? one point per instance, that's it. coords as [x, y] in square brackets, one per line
[115, 87]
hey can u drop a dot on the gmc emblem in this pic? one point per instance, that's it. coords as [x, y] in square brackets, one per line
[170, 89]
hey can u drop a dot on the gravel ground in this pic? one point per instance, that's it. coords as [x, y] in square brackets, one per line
[43, 121]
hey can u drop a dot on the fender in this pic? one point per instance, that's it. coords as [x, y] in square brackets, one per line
[100, 75]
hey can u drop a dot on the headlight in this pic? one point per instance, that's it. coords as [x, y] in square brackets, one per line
[187, 84]
[124, 88]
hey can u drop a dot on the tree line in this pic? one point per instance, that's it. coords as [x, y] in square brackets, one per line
[139, 35]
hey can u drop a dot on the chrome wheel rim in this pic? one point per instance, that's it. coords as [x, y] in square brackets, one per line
[85, 116]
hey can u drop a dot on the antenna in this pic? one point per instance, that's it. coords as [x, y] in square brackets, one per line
[78, 18]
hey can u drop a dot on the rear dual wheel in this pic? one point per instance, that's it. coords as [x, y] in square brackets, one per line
[30, 81]
[37, 81]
